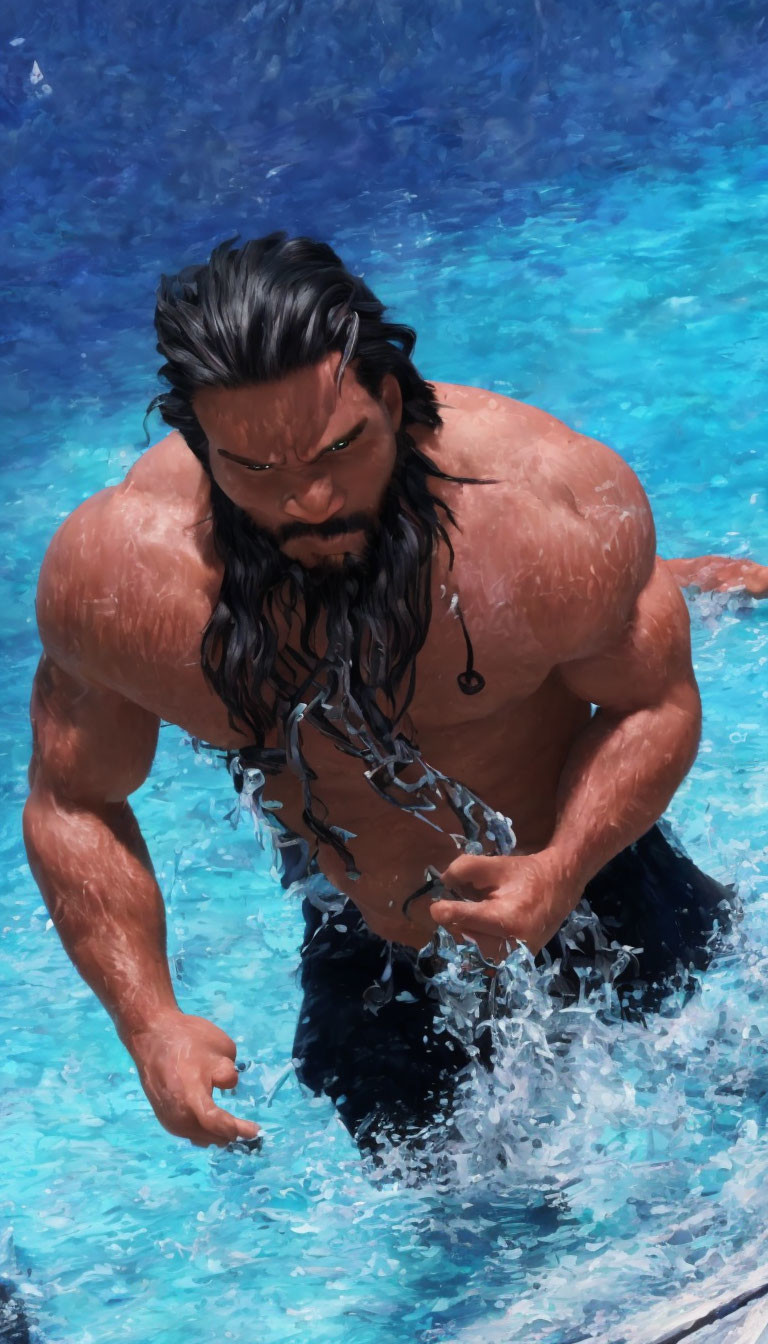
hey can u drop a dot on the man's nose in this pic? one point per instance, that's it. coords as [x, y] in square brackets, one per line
[314, 500]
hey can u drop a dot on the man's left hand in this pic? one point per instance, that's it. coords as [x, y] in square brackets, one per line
[505, 901]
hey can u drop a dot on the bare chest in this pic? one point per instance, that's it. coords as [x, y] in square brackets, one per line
[506, 741]
[473, 666]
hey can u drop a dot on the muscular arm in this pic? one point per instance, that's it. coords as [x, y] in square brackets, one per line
[618, 630]
[617, 627]
[92, 748]
[625, 766]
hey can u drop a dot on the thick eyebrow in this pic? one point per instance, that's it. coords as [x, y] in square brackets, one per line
[354, 433]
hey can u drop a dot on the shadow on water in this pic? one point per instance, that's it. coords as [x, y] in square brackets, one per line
[14, 1326]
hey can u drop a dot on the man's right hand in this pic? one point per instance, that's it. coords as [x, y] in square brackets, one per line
[180, 1060]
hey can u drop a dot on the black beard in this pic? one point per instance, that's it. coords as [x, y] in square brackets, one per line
[373, 614]
[373, 611]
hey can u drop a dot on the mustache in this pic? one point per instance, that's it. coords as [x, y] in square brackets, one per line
[380, 612]
[333, 527]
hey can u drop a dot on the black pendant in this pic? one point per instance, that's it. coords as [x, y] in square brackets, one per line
[470, 682]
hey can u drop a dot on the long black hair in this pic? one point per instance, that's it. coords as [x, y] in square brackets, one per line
[254, 314]
[275, 305]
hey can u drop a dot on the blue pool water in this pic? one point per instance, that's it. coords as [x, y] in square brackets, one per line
[571, 207]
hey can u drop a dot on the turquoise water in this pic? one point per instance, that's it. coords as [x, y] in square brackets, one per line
[651, 1168]
[630, 303]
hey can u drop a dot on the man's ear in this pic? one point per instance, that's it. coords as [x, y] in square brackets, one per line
[392, 398]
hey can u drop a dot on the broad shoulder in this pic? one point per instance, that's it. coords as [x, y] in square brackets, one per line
[133, 566]
[529, 452]
[564, 538]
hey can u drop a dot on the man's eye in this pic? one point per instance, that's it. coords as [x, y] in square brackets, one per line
[267, 466]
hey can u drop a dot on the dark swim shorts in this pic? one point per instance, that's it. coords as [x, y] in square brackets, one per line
[367, 1036]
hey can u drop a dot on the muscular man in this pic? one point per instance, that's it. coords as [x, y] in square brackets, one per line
[392, 603]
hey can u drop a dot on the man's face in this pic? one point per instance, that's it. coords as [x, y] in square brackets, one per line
[307, 463]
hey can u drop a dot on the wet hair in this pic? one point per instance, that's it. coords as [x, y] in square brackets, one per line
[275, 305]
[255, 314]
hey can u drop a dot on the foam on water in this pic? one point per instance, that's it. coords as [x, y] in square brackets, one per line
[641, 1147]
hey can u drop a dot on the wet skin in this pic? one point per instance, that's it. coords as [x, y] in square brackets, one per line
[566, 603]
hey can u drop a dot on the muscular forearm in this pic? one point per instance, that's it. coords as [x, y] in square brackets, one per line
[619, 776]
[96, 879]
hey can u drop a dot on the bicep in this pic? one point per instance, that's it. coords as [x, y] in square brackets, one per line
[90, 744]
[646, 660]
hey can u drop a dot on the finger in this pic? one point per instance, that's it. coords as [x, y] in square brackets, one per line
[229, 1049]
[243, 1129]
[225, 1074]
[191, 1131]
[475, 870]
[224, 1045]
[217, 1122]
[220, 1042]
[469, 916]
[199, 1138]
[491, 932]
[248, 1129]
[492, 949]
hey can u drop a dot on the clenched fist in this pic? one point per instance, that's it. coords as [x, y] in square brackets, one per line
[180, 1060]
